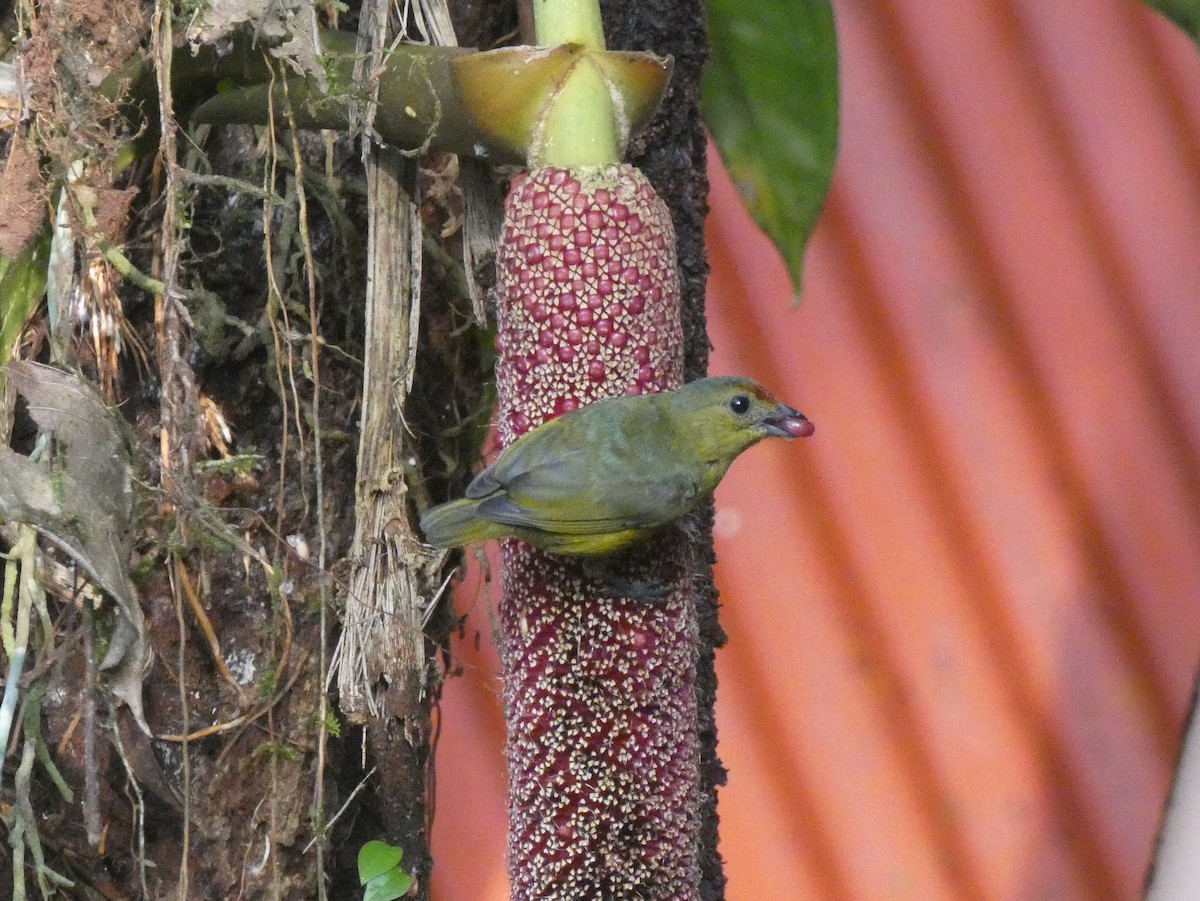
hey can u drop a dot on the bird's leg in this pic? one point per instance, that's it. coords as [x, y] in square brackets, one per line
[629, 574]
[645, 590]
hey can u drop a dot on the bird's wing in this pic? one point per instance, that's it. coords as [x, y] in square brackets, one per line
[586, 508]
[531, 453]
[580, 493]
[600, 476]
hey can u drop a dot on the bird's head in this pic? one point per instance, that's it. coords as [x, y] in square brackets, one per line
[728, 414]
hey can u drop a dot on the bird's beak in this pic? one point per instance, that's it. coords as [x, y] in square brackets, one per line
[788, 423]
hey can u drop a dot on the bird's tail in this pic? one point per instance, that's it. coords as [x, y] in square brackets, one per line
[455, 524]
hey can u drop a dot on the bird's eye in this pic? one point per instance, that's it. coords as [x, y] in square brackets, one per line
[739, 404]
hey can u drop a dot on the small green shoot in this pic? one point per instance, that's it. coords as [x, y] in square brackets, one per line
[276, 750]
[332, 724]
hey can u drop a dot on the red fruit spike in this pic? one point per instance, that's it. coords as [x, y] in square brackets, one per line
[624, 650]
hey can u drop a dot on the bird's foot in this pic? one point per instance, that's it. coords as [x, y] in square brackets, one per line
[648, 591]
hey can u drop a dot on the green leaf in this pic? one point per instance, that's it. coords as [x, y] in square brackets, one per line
[376, 858]
[771, 100]
[1184, 13]
[22, 284]
[389, 886]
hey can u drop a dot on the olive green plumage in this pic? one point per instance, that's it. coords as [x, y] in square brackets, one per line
[594, 480]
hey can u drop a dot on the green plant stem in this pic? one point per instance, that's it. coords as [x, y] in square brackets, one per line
[581, 128]
[568, 22]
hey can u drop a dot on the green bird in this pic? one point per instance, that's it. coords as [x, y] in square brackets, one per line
[597, 479]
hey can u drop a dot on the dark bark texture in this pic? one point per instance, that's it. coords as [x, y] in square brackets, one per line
[672, 154]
